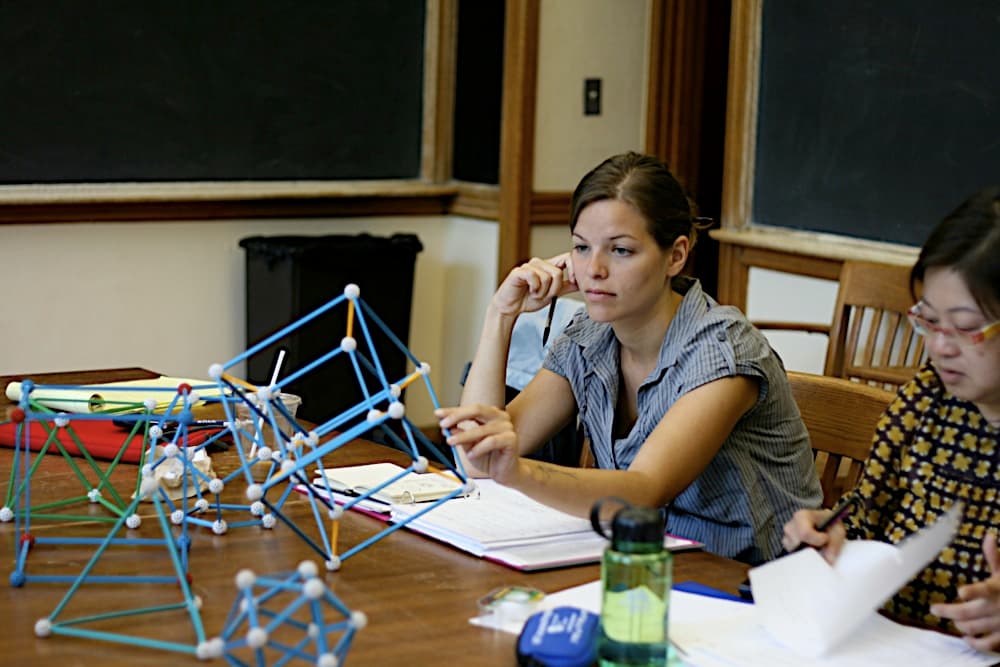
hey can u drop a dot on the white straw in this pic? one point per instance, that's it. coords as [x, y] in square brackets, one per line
[274, 379]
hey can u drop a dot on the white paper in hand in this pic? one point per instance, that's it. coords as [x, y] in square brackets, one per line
[811, 606]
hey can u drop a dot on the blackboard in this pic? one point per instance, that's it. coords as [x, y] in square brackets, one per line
[229, 90]
[876, 117]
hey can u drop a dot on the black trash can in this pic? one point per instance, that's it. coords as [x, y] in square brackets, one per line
[288, 277]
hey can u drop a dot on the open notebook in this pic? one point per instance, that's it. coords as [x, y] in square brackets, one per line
[504, 525]
[492, 522]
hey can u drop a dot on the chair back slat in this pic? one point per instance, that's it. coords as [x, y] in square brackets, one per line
[871, 339]
[841, 416]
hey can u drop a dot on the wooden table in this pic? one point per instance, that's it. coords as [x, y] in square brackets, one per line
[417, 594]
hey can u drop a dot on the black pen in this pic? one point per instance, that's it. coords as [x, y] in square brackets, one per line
[836, 514]
[548, 321]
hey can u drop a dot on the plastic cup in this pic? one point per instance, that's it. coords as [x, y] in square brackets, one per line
[250, 421]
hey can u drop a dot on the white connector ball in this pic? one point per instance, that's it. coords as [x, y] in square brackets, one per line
[245, 579]
[216, 486]
[469, 488]
[352, 291]
[264, 453]
[61, 421]
[6, 514]
[220, 527]
[373, 416]
[348, 344]
[171, 451]
[255, 492]
[264, 394]
[133, 522]
[155, 432]
[256, 638]
[420, 465]
[213, 648]
[336, 512]
[287, 465]
[425, 368]
[313, 438]
[314, 588]
[307, 569]
[268, 521]
[395, 390]
[257, 508]
[149, 404]
[327, 660]
[93, 495]
[359, 619]
[333, 564]
[201, 505]
[43, 627]
[177, 517]
[397, 410]
[215, 371]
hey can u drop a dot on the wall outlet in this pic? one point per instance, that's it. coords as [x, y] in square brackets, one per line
[591, 97]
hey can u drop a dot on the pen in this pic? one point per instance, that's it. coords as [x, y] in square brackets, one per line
[836, 514]
[548, 321]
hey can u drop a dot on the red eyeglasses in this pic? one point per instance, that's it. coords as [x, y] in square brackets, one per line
[961, 337]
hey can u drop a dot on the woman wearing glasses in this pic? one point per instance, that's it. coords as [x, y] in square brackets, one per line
[938, 443]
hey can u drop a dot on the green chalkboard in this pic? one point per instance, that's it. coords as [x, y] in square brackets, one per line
[193, 90]
[876, 117]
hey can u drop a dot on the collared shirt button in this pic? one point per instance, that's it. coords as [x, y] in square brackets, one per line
[721, 335]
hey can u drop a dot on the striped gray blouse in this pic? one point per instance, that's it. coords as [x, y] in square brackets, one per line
[764, 470]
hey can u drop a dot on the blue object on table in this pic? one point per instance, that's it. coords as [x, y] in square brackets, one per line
[560, 637]
[707, 591]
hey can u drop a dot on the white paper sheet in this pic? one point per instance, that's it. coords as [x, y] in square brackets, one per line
[806, 603]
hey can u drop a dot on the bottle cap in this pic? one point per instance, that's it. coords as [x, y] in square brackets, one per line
[636, 525]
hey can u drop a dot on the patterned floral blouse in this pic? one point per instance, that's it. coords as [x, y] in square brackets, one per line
[930, 450]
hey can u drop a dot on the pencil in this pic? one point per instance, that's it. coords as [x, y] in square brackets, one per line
[548, 321]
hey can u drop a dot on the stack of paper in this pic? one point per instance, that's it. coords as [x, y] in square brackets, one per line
[712, 632]
[506, 526]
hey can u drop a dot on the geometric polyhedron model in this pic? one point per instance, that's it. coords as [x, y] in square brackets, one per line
[275, 619]
[290, 459]
[301, 450]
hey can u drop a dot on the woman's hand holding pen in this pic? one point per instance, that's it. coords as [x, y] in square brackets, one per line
[534, 284]
[487, 435]
[803, 529]
[976, 613]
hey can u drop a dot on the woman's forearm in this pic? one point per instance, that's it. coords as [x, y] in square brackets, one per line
[486, 380]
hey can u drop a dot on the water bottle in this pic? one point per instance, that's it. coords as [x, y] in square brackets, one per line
[636, 574]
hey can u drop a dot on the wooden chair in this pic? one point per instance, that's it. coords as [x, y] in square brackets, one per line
[870, 339]
[841, 416]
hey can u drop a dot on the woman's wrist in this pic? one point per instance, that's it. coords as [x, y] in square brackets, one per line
[517, 474]
[497, 320]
